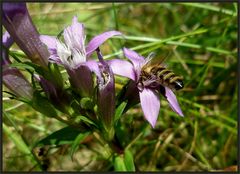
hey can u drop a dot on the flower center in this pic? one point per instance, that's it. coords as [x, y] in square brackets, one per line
[70, 57]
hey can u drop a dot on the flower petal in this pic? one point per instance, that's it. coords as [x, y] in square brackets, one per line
[74, 36]
[82, 81]
[93, 66]
[55, 94]
[99, 40]
[172, 100]
[17, 83]
[13, 79]
[150, 105]
[7, 40]
[134, 57]
[106, 95]
[64, 54]
[122, 68]
[18, 23]
[51, 43]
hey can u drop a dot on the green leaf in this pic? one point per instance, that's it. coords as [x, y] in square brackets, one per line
[63, 136]
[119, 164]
[85, 119]
[17, 140]
[129, 161]
[77, 141]
[119, 111]
[22, 66]
[42, 105]
[39, 69]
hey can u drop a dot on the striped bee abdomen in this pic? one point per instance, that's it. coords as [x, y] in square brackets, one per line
[163, 76]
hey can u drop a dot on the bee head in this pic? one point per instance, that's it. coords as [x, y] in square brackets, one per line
[178, 84]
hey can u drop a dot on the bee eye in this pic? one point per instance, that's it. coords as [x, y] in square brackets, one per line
[178, 85]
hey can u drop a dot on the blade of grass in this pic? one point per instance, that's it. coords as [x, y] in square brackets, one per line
[211, 7]
[19, 140]
[14, 107]
[199, 106]
[159, 42]
[115, 16]
[202, 157]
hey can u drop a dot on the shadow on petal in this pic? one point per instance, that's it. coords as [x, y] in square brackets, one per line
[82, 81]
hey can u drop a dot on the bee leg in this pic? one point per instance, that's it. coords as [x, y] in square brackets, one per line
[140, 86]
[162, 90]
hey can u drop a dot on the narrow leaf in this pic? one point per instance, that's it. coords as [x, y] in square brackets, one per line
[17, 140]
[119, 111]
[42, 105]
[77, 141]
[22, 66]
[119, 164]
[85, 119]
[129, 161]
[63, 136]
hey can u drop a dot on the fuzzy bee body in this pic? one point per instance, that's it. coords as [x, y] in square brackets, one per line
[156, 75]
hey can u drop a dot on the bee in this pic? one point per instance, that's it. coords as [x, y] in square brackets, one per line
[154, 74]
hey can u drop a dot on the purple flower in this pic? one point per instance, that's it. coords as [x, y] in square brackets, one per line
[149, 95]
[13, 79]
[18, 23]
[105, 93]
[73, 54]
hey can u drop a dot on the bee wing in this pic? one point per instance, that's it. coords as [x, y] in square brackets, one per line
[154, 60]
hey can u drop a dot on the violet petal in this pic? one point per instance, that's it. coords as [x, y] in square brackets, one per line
[99, 40]
[172, 100]
[82, 81]
[18, 23]
[12, 77]
[134, 57]
[7, 40]
[48, 87]
[17, 83]
[122, 68]
[93, 66]
[150, 105]
[74, 36]
[51, 43]
[57, 96]
[106, 95]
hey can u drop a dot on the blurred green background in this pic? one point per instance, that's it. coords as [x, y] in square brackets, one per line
[202, 41]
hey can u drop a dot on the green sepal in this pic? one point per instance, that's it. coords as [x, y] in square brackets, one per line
[86, 103]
